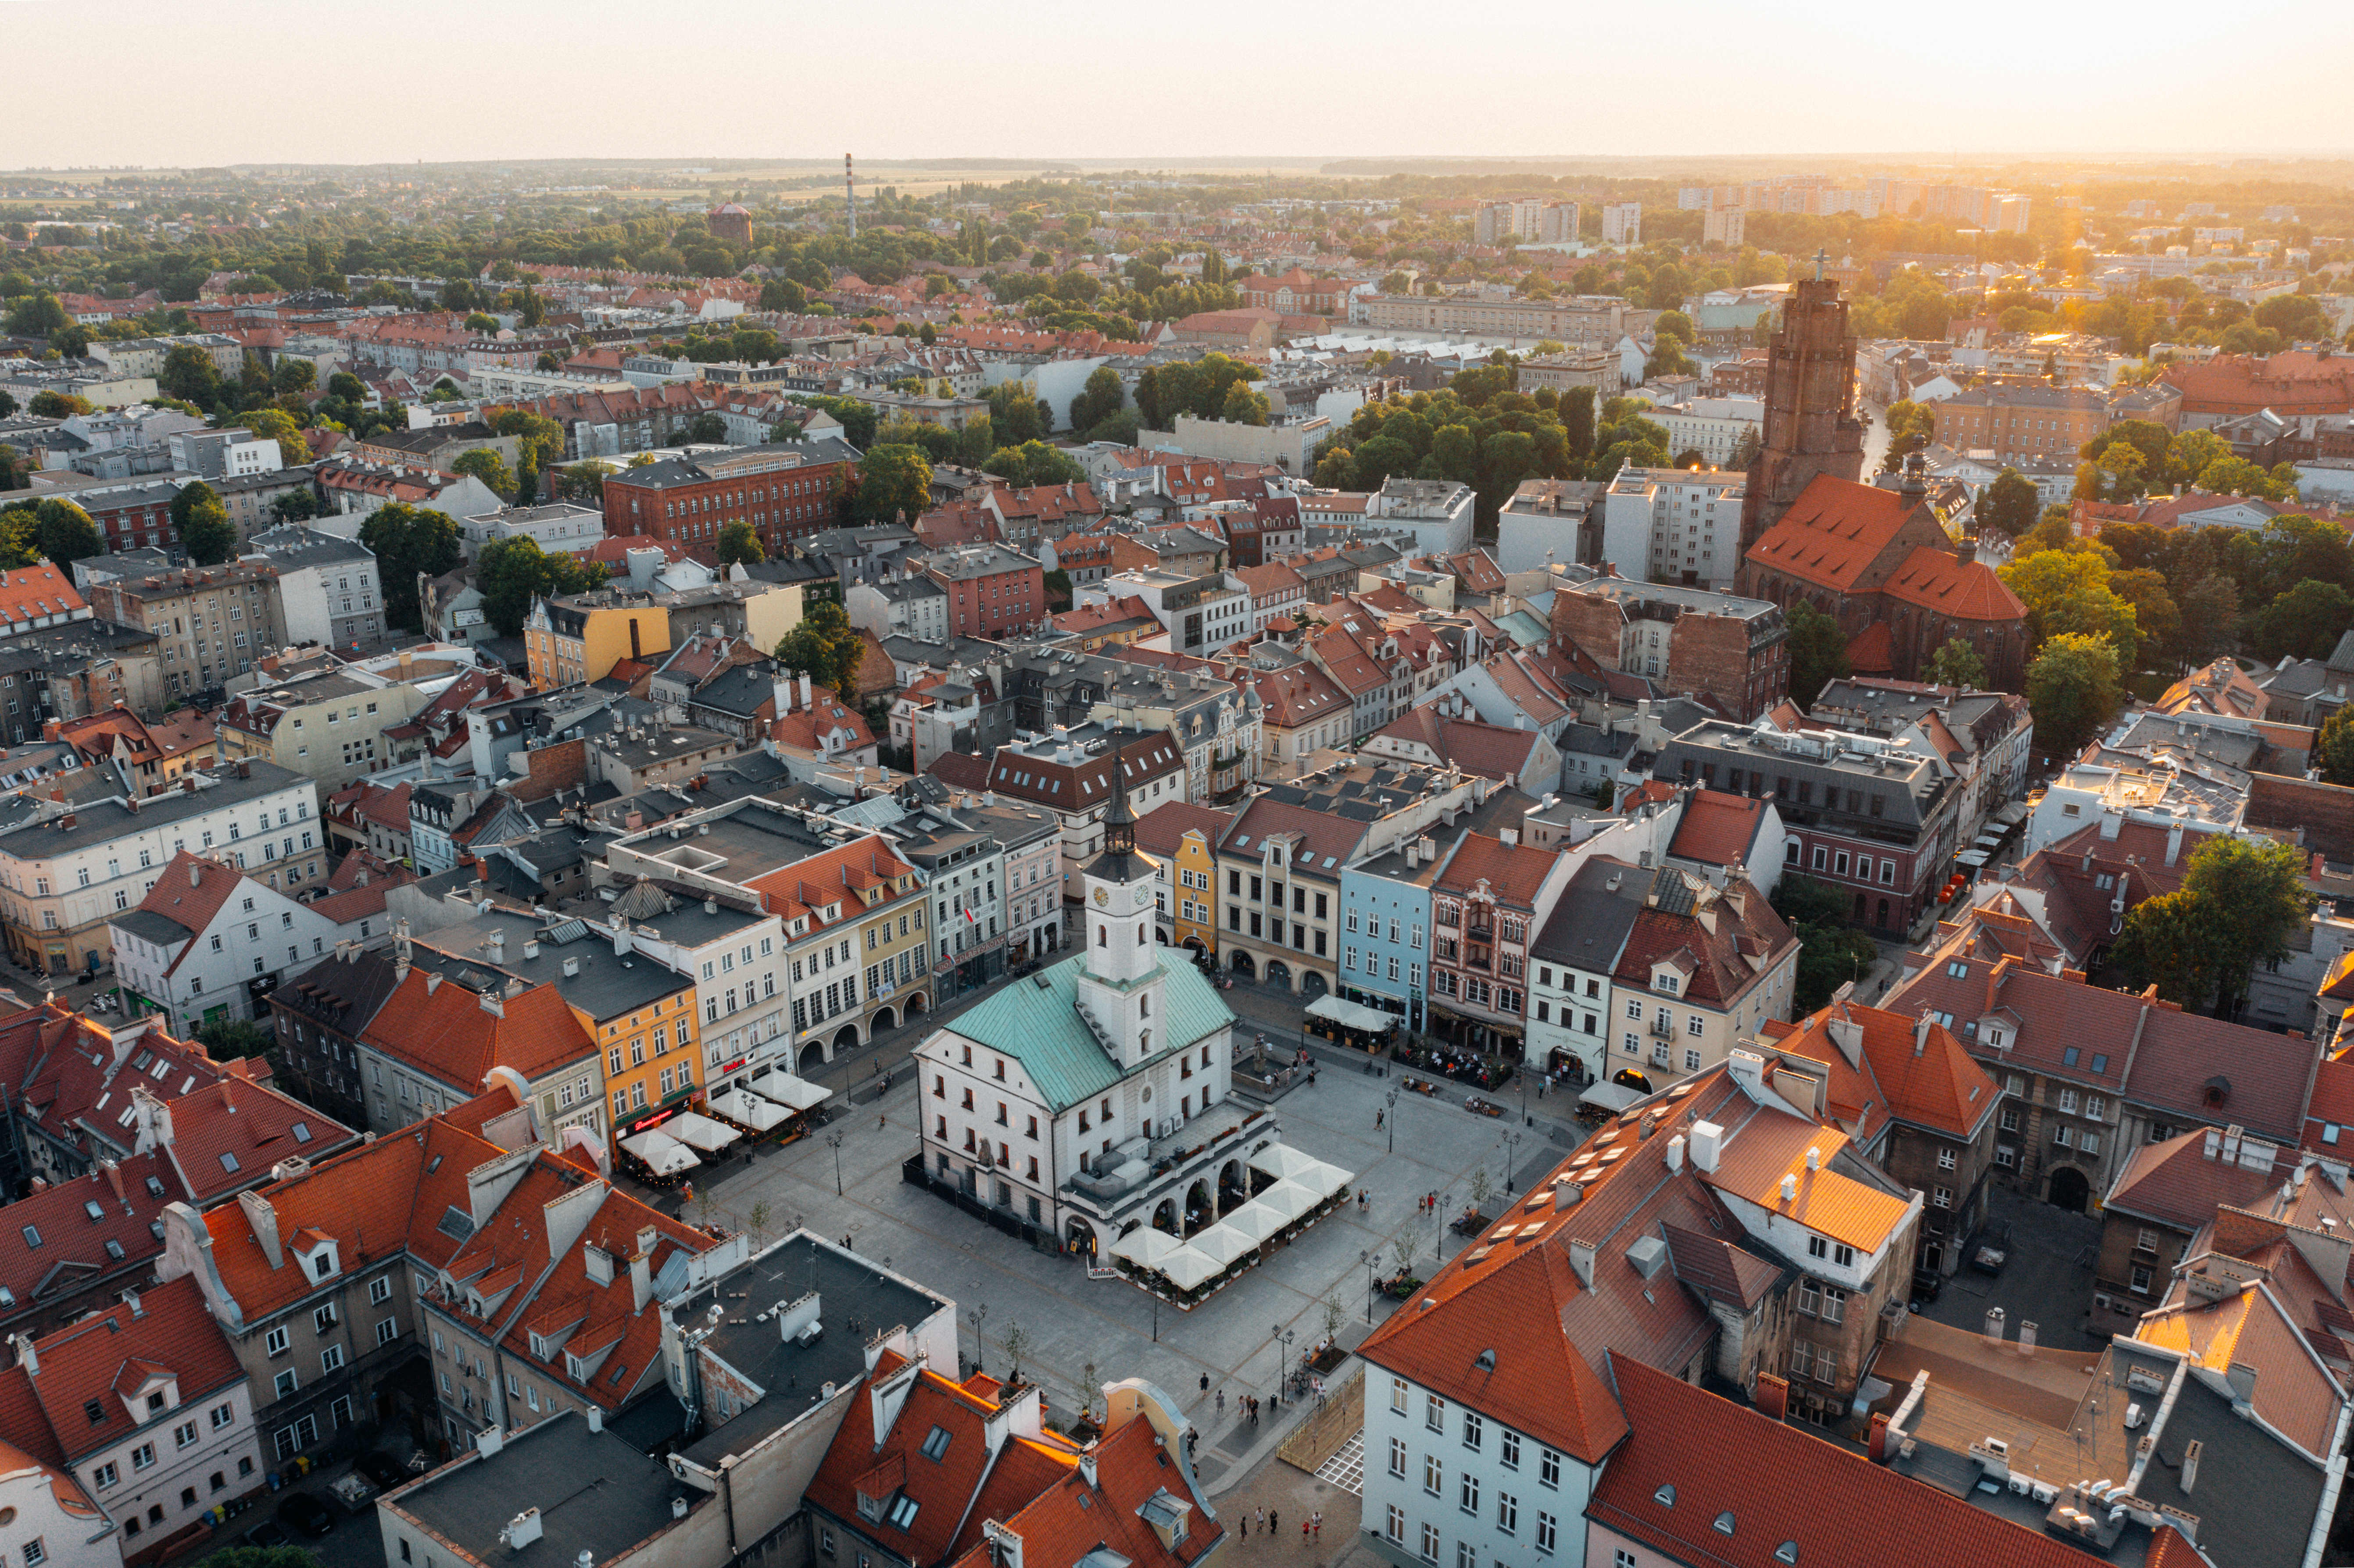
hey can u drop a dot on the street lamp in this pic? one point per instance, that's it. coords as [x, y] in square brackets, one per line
[833, 1141]
[1391, 1120]
[977, 1317]
[1511, 1152]
[1283, 1338]
[1438, 1239]
[1367, 1259]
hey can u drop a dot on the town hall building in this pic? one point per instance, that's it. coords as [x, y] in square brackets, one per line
[1094, 1095]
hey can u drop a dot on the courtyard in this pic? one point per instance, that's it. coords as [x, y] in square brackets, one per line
[1011, 1296]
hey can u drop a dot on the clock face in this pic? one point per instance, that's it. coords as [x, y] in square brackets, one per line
[1103, 896]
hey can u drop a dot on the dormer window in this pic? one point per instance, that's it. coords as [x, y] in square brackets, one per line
[1666, 981]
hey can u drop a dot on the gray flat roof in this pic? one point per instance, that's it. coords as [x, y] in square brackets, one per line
[855, 1302]
[595, 1495]
[104, 820]
[604, 986]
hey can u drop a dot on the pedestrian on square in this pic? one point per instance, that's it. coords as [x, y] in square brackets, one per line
[1377, 1120]
[1205, 1383]
[1262, 1520]
[1303, 1532]
[1317, 1524]
[1274, 1523]
[1222, 1402]
[1245, 1522]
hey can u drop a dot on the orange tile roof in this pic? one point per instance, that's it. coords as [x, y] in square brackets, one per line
[441, 1029]
[1832, 532]
[1718, 828]
[82, 1364]
[1693, 1458]
[1777, 1144]
[2295, 1392]
[1961, 590]
[36, 592]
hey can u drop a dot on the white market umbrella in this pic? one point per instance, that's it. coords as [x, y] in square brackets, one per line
[701, 1131]
[1289, 1200]
[1187, 1268]
[752, 1110]
[1254, 1222]
[664, 1154]
[1223, 1245]
[1145, 1246]
[1326, 1180]
[1280, 1159]
[798, 1093]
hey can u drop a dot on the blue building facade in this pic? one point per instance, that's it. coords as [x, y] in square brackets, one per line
[1386, 933]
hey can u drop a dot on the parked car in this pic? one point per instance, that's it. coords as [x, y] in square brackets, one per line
[383, 1469]
[1994, 1247]
[268, 1535]
[307, 1514]
[1927, 1283]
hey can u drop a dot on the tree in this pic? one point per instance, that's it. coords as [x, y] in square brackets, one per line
[2010, 505]
[1668, 358]
[2254, 900]
[2068, 591]
[1831, 953]
[2073, 691]
[190, 374]
[1099, 399]
[2168, 941]
[706, 429]
[2305, 622]
[295, 507]
[2333, 753]
[541, 438]
[1244, 405]
[486, 464]
[206, 532]
[1957, 663]
[893, 482]
[38, 316]
[1818, 652]
[409, 542]
[294, 375]
[740, 542]
[825, 646]
[1911, 428]
[1058, 584]
[1336, 470]
[512, 572]
[64, 532]
[53, 405]
[1032, 462]
[276, 425]
[1013, 412]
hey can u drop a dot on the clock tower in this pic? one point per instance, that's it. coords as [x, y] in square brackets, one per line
[1120, 984]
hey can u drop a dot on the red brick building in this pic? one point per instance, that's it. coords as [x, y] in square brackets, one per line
[786, 491]
[2300, 381]
[992, 590]
[1734, 652]
[134, 518]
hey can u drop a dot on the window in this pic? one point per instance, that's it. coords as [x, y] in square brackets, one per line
[1507, 1512]
[222, 1416]
[35, 1552]
[380, 1290]
[1548, 1532]
[274, 1341]
[1395, 1525]
[331, 1357]
[1475, 1430]
[1511, 1450]
[1549, 1468]
[1434, 1474]
[324, 1319]
[1434, 1413]
[286, 1382]
[2141, 1278]
[1397, 1394]
[184, 1434]
[1398, 1457]
[105, 1476]
[1943, 1197]
[387, 1332]
[142, 1458]
[1430, 1543]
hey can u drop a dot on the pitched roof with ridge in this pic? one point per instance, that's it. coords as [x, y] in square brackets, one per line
[1036, 1023]
[1702, 1479]
[1834, 532]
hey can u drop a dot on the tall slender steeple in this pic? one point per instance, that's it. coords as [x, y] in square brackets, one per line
[1810, 425]
[1120, 982]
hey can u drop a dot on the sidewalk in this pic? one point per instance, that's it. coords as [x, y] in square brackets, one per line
[1231, 1448]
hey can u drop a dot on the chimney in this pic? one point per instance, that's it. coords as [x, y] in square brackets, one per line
[2173, 841]
[1707, 1146]
[196, 872]
[641, 1270]
[27, 1356]
[2027, 1338]
[1877, 1446]
[1676, 1152]
[1581, 1261]
[1994, 1325]
[1789, 1187]
[1920, 1028]
[1772, 1396]
[2242, 1378]
[2190, 1453]
[498, 946]
[262, 1215]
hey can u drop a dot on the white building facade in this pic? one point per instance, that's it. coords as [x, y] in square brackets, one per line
[1666, 524]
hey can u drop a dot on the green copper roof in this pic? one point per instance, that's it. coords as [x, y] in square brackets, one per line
[1035, 1020]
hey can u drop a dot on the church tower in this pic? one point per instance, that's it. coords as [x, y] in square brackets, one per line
[1120, 988]
[1810, 423]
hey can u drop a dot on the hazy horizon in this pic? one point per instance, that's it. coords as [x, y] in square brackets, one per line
[444, 82]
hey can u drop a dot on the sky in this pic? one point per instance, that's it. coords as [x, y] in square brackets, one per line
[166, 83]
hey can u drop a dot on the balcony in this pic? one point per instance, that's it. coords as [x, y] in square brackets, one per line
[1664, 1027]
[1479, 960]
[1481, 933]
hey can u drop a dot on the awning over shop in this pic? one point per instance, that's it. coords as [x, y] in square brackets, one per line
[1610, 1097]
[1187, 1268]
[701, 1131]
[1145, 1246]
[664, 1154]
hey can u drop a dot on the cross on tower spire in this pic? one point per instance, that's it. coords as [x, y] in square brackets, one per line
[1820, 257]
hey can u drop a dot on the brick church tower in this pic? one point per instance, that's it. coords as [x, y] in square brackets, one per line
[1810, 423]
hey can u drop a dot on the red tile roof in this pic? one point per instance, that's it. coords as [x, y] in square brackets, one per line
[1513, 872]
[1038, 1491]
[1961, 590]
[83, 1365]
[441, 1028]
[33, 593]
[1162, 829]
[893, 1459]
[1690, 1458]
[191, 893]
[1718, 828]
[1489, 751]
[1832, 532]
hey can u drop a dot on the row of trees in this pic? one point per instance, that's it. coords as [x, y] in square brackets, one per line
[2134, 457]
